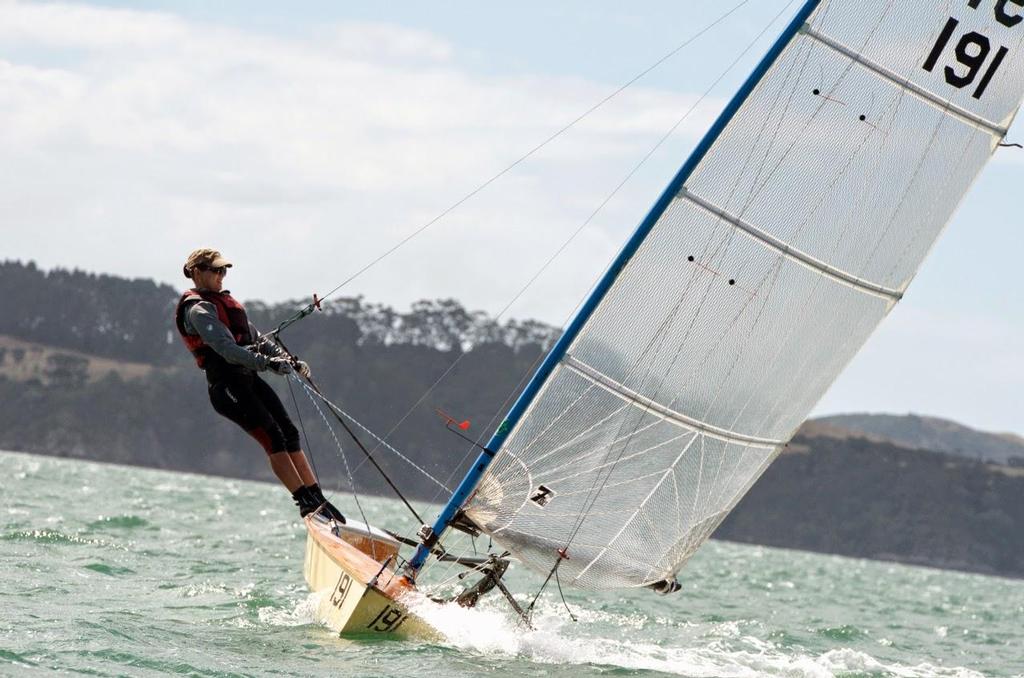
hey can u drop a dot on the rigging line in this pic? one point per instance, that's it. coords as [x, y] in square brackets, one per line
[1009, 145]
[561, 249]
[544, 585]
[379, 440]
[366, 452]
[539, 146]
[614, 192]
[302, 427]
[341, 453]
[583, 225]
[559, 583]
[595, 491]
[591, 496]
[590, 218]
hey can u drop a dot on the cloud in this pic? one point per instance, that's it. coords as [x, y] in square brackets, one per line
[131, 137]
[65, 26]
[163, 133]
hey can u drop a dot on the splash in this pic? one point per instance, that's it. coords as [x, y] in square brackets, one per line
[300, 614]
[723, 651]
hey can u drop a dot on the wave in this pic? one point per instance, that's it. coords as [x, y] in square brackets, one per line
[726, 652]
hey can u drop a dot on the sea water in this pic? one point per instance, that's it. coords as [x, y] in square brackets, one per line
[109, 571]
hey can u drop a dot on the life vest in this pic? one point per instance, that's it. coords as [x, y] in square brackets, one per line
[229, 311]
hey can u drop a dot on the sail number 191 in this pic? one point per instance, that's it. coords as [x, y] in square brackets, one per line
[972, 50]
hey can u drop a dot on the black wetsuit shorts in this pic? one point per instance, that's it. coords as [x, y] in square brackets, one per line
[249, 401]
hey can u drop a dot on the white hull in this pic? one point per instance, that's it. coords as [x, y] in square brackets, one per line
[352, 566]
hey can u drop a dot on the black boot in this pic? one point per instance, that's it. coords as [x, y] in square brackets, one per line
[329, 509]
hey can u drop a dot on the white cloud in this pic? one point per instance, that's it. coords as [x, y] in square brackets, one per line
[64, 26]
[130, 137]
[378, 42]
[164, 134]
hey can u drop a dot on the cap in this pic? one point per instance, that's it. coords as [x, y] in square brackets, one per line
[204, 257]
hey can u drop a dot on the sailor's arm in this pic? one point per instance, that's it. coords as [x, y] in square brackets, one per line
[264, 345]
[201, 317]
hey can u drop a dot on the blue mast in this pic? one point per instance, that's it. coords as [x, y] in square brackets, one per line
[560, 348]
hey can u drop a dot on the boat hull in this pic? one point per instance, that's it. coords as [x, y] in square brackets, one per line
[361, 594]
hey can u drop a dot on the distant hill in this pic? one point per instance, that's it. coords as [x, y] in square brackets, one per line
[932, 433]
[875, 499]
[31, 361]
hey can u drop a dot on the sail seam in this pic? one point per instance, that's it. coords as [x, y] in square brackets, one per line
[791, 252]
[945, 106]
[589, 373]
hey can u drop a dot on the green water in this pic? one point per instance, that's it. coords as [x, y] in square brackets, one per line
[107, 570]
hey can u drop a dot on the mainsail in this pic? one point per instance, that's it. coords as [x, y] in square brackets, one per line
[778, 248]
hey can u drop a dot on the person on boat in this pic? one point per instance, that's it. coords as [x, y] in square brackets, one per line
[215, 328]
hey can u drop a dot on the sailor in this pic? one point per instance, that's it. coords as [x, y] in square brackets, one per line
[228, 348]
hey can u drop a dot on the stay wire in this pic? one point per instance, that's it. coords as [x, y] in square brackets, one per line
[592, 496]
[558, 582]
[363, 449]
[301, 314]
[579, 524]
[302, 427]
[538, 147]
[341, 453]
[594, 213]
[382, 442]
[531, 152]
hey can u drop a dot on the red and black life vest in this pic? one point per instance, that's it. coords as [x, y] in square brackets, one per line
[230, 312]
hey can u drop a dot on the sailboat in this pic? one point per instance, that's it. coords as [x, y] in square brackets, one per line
[792, 230]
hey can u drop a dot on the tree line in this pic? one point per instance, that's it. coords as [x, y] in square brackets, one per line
[384, 367]
[380, 365]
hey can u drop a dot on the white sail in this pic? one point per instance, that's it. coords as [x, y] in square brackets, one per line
[776, 257]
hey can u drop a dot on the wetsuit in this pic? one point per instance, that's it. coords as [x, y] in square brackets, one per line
[230, 350]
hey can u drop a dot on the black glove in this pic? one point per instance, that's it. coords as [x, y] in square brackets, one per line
[279, 366]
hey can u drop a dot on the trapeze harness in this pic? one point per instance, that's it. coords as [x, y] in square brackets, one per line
[236, 392]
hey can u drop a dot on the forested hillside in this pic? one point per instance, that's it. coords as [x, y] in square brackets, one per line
[90, 367]
[858, 497]
[371, 360]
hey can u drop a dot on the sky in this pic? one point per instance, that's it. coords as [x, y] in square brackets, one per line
[306, 139]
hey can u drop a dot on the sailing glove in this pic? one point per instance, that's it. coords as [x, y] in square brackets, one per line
[279, 366]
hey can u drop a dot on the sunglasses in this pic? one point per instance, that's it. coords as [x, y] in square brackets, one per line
[216, 270]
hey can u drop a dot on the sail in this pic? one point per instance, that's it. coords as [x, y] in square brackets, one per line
[772, 257]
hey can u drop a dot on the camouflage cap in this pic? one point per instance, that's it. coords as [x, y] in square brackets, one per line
[204, 257]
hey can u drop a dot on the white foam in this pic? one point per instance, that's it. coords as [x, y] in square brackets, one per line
[301, 614]
[491, 629]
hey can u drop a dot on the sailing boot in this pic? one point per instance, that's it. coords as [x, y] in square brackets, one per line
[329, 509]
[305, 500]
